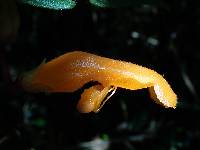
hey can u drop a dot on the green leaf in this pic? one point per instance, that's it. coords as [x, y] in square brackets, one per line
[52, 4]
[120, 3]
[105, 137]
[39, 122]
[100, 3]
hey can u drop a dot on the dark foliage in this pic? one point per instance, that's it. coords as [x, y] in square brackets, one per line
[164, 37]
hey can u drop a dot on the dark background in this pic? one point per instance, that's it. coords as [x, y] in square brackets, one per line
[163, 36]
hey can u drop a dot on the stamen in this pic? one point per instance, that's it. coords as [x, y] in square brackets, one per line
[112, 92]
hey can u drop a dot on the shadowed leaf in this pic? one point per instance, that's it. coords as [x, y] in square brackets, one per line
[120, 3]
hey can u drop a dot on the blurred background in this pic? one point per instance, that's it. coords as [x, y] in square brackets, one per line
[161, 35]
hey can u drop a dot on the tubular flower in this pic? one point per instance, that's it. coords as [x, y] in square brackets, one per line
[71, 71]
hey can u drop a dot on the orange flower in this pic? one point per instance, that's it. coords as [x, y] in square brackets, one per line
[72, 70]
